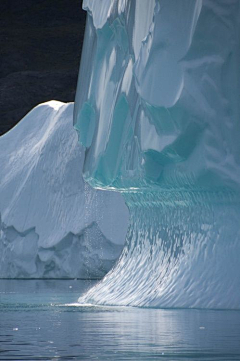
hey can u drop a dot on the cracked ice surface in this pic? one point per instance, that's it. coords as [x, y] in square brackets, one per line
[157, 108]
[51, 222]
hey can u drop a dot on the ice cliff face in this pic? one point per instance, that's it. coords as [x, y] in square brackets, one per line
[51, 223]
[157, 108]
[157, 105]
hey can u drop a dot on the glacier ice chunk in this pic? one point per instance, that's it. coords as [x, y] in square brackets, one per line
[52, 224]
[164, 85]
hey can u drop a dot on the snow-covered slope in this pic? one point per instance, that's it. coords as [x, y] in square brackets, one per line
[51, 223]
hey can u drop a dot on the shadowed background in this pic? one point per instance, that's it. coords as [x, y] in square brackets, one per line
[40, 48]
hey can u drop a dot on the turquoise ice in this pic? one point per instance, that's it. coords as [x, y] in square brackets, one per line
[158, 110]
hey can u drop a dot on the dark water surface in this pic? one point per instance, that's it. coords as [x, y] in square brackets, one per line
[39, 321]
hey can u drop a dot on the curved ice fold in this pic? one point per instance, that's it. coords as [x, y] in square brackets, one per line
[159, 72]
[51, 223]
[180, 91]
[163, 84]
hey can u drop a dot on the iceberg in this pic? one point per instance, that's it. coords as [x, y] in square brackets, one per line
[52, 223]
[157, 109]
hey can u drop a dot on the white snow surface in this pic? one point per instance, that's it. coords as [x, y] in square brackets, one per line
[52, 224]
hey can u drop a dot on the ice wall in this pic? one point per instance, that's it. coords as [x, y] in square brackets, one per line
[52, 224]
[157, 108]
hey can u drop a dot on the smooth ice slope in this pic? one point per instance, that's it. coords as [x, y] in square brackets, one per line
[158, 111]
[51, 223]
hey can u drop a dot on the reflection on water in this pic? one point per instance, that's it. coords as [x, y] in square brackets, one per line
[39, 320]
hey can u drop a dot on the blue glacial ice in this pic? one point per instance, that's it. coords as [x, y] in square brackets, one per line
[157, 108]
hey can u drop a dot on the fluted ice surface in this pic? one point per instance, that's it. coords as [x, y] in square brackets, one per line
[157, 108]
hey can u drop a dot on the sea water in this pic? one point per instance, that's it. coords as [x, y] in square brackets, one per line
[41, 320]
